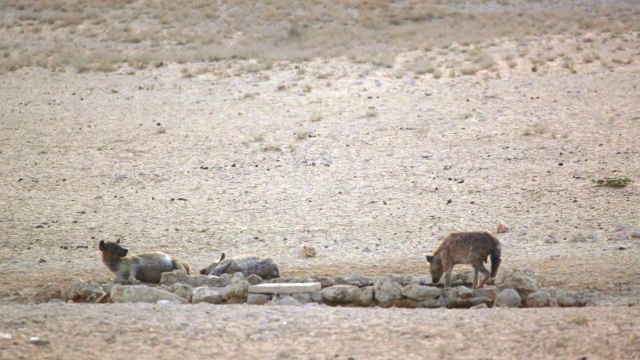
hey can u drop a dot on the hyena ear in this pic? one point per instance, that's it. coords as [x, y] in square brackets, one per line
[118, 241]
[222, 256]
[429, 259]
[101, 245]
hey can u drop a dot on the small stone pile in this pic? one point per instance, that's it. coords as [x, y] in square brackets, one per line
[518, 288]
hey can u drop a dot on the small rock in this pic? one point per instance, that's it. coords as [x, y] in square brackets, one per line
[524, 282]
[540, 298]
[254, 279]
[340, 294]
[285, 301]
[420, 292]
[635, 233]
[308, 251]
[386, 290]
[81, 291]
[175, 276]
[523, 231]
[183, 290]
[508, 298]
[283, 354]
[622, 247]
[403, 280]
[355, 280]
[208, 280]
[258, 299]
[364, 296]
[41, 261]
[37, 341]
[502, 229]
[5, 336]
[237, 290]
[206, 294]
[302, 298]
[317, 296]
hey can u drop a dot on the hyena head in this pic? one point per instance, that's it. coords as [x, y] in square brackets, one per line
[436, 268]
[112, 249]
[209, 269]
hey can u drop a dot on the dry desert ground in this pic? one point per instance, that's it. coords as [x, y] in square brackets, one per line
[366, 130]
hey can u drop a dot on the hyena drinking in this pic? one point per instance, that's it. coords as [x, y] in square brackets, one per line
[245, 264]
[471, 247]
[138, 268]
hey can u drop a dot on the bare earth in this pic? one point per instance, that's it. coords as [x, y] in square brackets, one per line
[371, 164]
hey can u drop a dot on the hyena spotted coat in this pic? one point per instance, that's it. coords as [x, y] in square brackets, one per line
[138, 268]
[245, 264]
[473, 247]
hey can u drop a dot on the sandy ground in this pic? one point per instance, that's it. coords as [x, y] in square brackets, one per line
[369, 164]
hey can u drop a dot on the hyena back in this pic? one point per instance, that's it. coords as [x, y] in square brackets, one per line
[471, 247]
[245, 264]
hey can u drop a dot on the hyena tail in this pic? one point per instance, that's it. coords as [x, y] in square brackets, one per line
[495, 260]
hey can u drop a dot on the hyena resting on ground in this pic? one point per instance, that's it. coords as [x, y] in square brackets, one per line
[471, 247]
[245, 264]
[138, 268]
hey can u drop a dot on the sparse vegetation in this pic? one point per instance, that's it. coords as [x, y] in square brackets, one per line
[420, 66]
[580, 320]
[537, 129]
[205, 35]
[612, 181]
[371, 113]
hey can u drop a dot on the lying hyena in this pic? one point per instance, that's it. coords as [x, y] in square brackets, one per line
[138, 268]
[471, 247]
[245, 264]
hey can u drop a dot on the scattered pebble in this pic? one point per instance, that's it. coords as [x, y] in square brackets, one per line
[502, 229]
[308, 251]
[37, 341]
[5, 336]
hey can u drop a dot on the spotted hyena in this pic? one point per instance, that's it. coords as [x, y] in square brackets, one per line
[473, 247]
[138, 268]
[245, 264]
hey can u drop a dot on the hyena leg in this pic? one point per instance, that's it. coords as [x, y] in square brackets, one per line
[448, 269]
[475, 278]
[132, 277]
[480, 268]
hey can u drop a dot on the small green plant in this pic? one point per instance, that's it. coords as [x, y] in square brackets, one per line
[580, 320]
[612, 181]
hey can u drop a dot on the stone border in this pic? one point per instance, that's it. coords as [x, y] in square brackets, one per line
[518, 288]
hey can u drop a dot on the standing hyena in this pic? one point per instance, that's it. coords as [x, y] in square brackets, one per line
[245, 264]
[138, 268]
[471, 247]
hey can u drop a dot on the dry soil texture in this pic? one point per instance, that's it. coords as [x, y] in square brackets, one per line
[369, 162]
